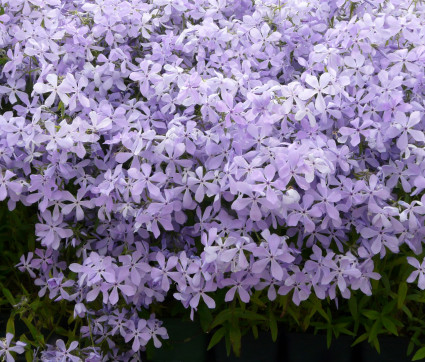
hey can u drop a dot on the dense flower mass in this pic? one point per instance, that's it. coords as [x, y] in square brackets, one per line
[178, 147]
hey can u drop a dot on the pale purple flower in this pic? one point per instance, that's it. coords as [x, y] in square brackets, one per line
[239, 283]
[70, 86]
[6, 348]
[76, 203]
[273, 253]
[403, 127]
[420, 272]
[299, 283]
[51, 87]
[137, 332]
[162, 273]
[320, 87]
[52, 230]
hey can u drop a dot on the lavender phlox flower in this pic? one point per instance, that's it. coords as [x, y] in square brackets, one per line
[51, 87]
[273, 252]
[6, 347]
[420, 272]
[299, 283]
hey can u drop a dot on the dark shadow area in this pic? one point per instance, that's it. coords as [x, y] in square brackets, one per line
[290, 347]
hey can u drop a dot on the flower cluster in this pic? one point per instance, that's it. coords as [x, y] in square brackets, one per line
[177, 147]
[59, 352]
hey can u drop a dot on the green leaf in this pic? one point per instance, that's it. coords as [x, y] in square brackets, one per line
[222, 317]
[413, 342]
[273, 326]
[371, 314]
[373, 332]
[9, 296]
[255, 331]
[346, 331]
[407, 311]
[307, 318]
[228, 344]
[10, 326]
[29, 356]
[27, 341]
[410, 347]
[247, 314]
[205, 317]
[235, 338]
[227, 314]
[323, 314]
[31, 242]
[377, 345]
[293, 314]
[217, 336]
[352, 304]
[62, 331]
[420, 353]
[386, 282]
[389, 325]
[389, 307]
[257, 301]
[401, 295]
[329, 336]
[38, 336]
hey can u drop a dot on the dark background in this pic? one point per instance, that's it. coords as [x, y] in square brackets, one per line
[188, 343]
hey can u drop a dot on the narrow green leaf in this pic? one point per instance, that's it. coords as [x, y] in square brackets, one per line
[273, 326]
[38, 336]
[29, 356]
[377, 345]
[389, 325]
[413, 342]
[292, 313]
[352, 305]
[371, 314]
[31, 242]
[205, 317]
[36, 305]
[257, 301]
[9, 296]
[401, 295]
[389, 307]
[247, 314]
[10, 326]
[410, 348]
[407, 311]
[228, 344]
[346, 331]
[307, 318]
[420, 353]
[255, 331]
[373, 332]
[222, 317]
[329, 336]
[217, 336]
[235, 338]
[27, 341]
[323, 314]
[386, 282]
